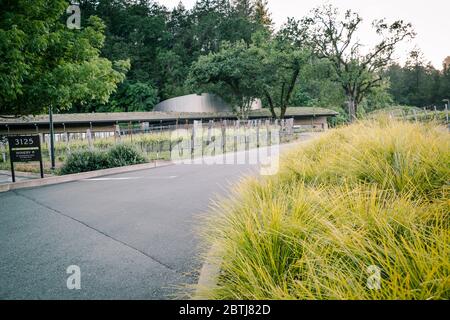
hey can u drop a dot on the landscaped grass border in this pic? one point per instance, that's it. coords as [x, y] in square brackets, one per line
[364, 205]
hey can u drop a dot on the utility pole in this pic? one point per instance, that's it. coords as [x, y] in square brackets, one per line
[52, 137]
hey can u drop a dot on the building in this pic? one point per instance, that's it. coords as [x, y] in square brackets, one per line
[107, 122]
[203, 103]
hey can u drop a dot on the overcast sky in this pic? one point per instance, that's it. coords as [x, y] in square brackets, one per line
[431, 20]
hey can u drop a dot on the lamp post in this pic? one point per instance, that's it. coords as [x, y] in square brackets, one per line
[52, 137]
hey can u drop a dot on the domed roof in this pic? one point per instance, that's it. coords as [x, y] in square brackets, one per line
[194, 103]
[204, 103]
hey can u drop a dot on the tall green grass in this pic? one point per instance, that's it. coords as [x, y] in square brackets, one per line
[371, 194]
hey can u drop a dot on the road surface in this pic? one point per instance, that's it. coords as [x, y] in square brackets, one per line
[132, 235]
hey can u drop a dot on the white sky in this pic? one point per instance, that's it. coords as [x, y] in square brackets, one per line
[430, 18]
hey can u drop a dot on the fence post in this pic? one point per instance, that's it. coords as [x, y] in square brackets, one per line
[89, 138]
[116, 133]
[170, 146]
[192, 141]
[258, 123]
[130, 132]
[446, 112]
[160, 139]
[236, 126]
[224, 137]
[246, 137]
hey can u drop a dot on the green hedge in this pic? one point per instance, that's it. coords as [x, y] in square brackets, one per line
[124, 155]
[90, 160]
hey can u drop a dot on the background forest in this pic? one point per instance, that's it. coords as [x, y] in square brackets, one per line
[228, 47]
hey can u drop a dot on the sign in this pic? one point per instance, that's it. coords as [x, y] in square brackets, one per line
[25, 155]
[25, 149]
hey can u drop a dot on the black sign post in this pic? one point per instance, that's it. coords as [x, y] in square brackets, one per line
[25, 149]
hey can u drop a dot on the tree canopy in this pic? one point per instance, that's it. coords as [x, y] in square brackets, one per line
[335, 38]
[43, 63]
[129, 55]
[231, 73]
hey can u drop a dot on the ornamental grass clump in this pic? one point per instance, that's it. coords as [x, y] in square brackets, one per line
[360, 213]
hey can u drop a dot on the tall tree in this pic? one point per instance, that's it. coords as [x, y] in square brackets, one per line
[281, 64]
[135, 96]
[422, 80]
[317, 88]
[231, 73]
[335, 39]
[244, 7]
[261, 13]
[210, 19]
[417, 83]
[444, 85]
[44, 64]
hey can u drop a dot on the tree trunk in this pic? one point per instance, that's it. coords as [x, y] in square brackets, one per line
[271, 106]
[283, 112]
[351, 105]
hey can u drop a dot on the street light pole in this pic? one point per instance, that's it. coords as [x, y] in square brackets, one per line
[52, 137]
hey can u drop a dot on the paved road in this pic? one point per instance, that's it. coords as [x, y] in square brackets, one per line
[132, 235]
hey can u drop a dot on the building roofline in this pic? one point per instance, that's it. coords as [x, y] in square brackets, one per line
[120, 117]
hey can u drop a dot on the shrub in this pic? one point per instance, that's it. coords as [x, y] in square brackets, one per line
[371, 194]
[124, 155]
[84, 161]
[91, 160]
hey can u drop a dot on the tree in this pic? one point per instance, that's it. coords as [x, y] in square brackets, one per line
[281, 65]
[43, 64]
[444, 85]
[417, 84]
[135, 30]
[231, 73]
[398, 83]
[209, 17]
[422, 80]
[172, 74]
[261, 13]
[335, 39]
[317, 87]
[136, 96]
[244, 8]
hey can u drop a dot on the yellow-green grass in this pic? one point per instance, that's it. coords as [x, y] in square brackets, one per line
[371, 194]
[410, 114]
